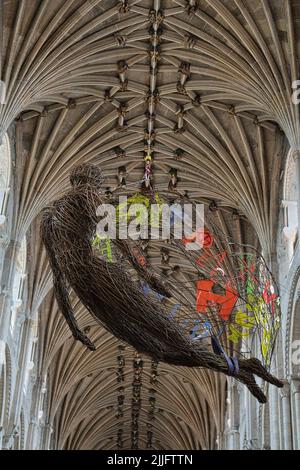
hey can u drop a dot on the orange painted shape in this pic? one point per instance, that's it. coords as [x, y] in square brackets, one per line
[205, 295]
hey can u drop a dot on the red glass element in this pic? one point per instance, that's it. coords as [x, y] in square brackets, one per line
[248, 271]
[140, 258]
[205, 296]
[215, 260]
[268, 298]
[203, 238]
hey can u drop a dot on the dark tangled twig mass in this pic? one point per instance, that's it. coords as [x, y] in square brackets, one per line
[111, 296]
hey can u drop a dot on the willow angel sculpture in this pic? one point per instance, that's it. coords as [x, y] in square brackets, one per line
[115, 301]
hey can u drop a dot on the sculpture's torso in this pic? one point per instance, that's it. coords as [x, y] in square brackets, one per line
[70, 222]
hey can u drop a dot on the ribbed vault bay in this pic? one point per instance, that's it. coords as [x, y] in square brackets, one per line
[205, 87]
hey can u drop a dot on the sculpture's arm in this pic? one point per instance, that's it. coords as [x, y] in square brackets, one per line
[144, 272]
[61, 291]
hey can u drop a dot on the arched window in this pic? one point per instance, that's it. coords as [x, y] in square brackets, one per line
[18, 283]
[290, 206]
[5, 171]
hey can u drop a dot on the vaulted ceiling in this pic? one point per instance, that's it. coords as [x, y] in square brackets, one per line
[204, 87]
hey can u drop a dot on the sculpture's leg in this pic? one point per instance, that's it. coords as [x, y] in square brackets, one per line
[251, 367]
[249, 380]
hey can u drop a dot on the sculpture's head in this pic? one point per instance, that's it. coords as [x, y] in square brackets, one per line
[86, 173]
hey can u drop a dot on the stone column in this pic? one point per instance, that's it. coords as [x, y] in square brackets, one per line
[295, 390]
[234, 414]
[47, 435]
[7, 282]
[287, 417]
[297, 160]
[25, 348]
[264, 411]
[275, 419]
[221, 440]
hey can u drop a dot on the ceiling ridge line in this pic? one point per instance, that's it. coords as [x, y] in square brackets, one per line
[156, 18]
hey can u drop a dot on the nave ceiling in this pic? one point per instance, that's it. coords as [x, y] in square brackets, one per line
[205, 88]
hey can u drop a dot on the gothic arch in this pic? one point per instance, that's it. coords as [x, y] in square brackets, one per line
[2, 385]
[295, 332]
[18, 283]
[290, 209]
[293, 313]
[290, 184]
[5, 174]
[223, 117]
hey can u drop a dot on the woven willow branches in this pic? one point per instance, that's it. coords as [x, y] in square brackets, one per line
[68, 227]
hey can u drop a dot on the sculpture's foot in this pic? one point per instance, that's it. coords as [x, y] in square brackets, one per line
[249, 368]
[255, 366]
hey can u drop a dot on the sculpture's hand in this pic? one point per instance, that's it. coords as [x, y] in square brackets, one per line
[145, 272]
[79, 336]
[157, 285]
